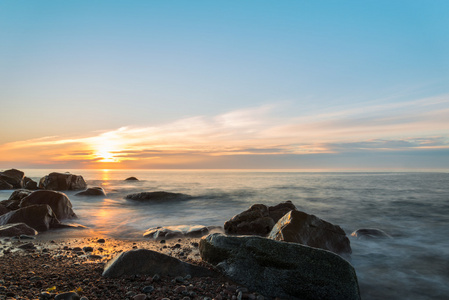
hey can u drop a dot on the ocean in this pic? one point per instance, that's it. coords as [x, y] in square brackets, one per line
[411, 207]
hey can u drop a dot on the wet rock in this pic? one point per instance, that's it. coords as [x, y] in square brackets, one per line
[19, 194]
[11, 204]
[27, 246]
[93, 191]
[279, 269]
[169, 232]
[5, 186]
[14, 177]
[370, 233]
[157, 196]
[132, 179]
[148, 262]
[67, 296]
[3, 209]
[88, 249]
[59, 203]
[40, 217]
[16, 229]
[62, 182]
[300, 227]
[101, 241]
[29, 184]
[259, 219]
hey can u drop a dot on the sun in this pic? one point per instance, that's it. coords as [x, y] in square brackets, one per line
[106, 156]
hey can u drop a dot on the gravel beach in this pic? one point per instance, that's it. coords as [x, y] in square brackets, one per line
[42, 269]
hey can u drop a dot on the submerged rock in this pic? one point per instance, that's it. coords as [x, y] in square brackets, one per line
[93, 191]
[300, 227]
[169, 232]
[279, 269]
[59, 203]
[16, 229]
[148, 262]
[13, 177]
[132, 179]
[40, 217]
[259, 219]
[370, 233]
[157, 196]
[62, 182]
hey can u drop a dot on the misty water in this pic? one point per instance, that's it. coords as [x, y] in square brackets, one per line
[411, 207]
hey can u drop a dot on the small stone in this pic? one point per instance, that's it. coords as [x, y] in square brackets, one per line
[84, 298]
[156, 277]
[140, 297]
[88, 249]
[148, 289]
[179, 279]
[101, 241]
[162, 241]
[27, 246]
[67, 296]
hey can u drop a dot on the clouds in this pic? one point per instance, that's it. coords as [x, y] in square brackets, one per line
[259, 131]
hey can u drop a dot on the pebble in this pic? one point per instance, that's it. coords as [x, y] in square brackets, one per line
[101, 241]
[148, 289]
[156, 277]
[88, 249]
[140, 297]
[67, 296]
[27, 246]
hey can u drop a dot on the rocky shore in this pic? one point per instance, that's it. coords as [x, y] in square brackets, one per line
[44, 269]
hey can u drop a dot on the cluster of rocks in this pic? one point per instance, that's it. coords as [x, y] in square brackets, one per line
[15, 179]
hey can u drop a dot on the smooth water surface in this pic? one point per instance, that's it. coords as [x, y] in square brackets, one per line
[411, 207]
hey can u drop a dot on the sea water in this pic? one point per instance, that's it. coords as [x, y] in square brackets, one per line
[411, 207]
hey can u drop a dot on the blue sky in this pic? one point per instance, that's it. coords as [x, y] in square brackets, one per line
[313, 81]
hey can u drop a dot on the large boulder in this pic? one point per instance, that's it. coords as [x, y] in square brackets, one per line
[13, 177]
[259, 219]
[29, 184]
[3, 209]
[300, 227]
[279, 269]
[40, 217]
[19, 194]
[16, 229]
[157, 196]
[370, 233]
[148, 262]
[4, 185]
[169, 232]
[59, 203]
[62, 182]
[11, 204]
[93, 191]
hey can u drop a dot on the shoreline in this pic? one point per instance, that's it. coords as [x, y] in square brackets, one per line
[43, 268]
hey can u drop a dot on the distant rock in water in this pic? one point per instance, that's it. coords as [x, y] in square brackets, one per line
[93, 191]
[169, 232]
[13, 177]
[279, 269]
[370, 233]
[157, 196]
[300, 227]
[132, 179]
[259, 219]
[62, 182]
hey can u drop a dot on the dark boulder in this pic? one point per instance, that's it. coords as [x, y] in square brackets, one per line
[11, 204]
[40, 217]
[29, 184]
[370, 233]
[132, 179]
[169, 232]
[62, 182]
[13, 177]
[157, 196]
[59, 203]
[279, 269]
[19, 194]
[259, 219]
[16, 229]
[3, 209]
[93, 191]
[4, 185]
[300, 227]
[148, 262]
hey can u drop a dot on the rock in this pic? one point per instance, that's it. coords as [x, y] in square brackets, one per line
[93, 191]
[370, 233]
[168, 232]
[67, 296]
[101, 241]
[88, 249]
[59, 203]
[62, 182]
[27, 246]
[13, 177]
[11, 204]
[148, 289]
[259, 219]
[140, 297]
[40, 217]
[157, 196]
[3, 209]
[19, 194]
[132, 179]
[29, 184]
[16, 229]
[148, 262]
[300, 227]
[279, 269]
[5, 186]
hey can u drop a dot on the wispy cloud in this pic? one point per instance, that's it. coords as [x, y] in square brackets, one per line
[415, 125]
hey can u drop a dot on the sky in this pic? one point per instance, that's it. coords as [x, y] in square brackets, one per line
[325, 85]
